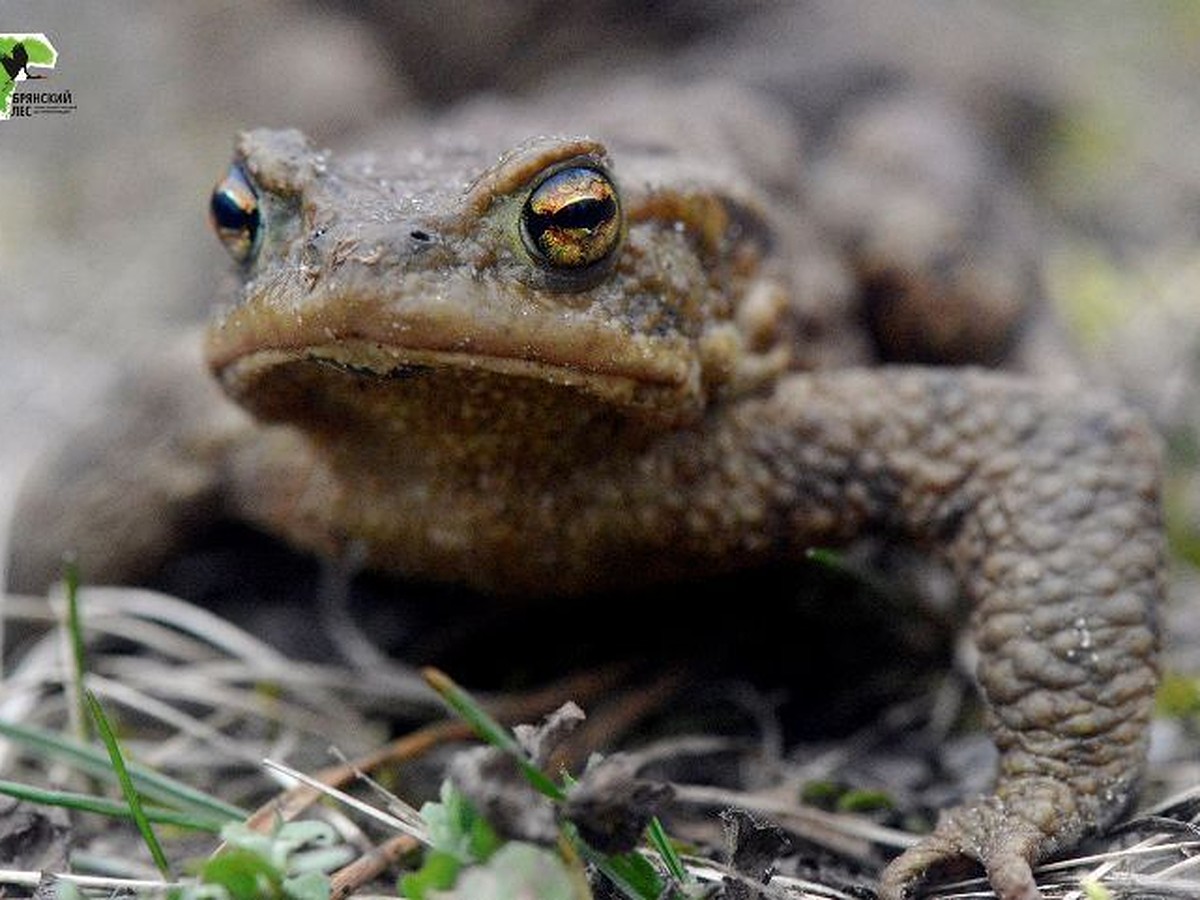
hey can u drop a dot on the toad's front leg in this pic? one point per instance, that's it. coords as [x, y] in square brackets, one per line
[1047, 508]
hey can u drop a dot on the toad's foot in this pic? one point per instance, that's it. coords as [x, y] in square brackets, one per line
[1024, 821]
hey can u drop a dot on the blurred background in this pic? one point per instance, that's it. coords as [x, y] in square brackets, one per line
[105, 249]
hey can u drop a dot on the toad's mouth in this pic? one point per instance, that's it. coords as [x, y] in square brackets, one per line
[385, 340]
[390, 362]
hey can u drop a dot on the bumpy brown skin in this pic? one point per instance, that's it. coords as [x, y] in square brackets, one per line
[1063, 564]
[451, 410]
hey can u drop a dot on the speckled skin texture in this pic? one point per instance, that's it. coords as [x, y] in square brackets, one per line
[427, 398]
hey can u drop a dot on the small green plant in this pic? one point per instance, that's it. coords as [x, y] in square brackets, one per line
[458, 837]
[288, 864]
[468, 860]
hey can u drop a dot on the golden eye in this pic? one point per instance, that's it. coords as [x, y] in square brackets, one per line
[572, 219]
[234, 214]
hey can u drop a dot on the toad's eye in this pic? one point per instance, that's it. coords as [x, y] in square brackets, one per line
[234, 213]
[572, 219]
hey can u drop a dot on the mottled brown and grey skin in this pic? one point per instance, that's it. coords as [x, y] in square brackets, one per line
[427, 395]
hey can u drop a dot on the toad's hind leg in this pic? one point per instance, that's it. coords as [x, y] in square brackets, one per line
[1046, 505]
[1059, 545]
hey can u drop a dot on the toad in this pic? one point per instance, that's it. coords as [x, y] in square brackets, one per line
[562, 349]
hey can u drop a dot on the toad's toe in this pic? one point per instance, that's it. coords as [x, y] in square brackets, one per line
[991, 833]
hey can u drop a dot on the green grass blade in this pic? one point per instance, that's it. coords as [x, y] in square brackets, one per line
[837, 564]
[106, 807]
[93, 761]
[78, 654]
[127, 787]
[631, 873]
[670, 857]
[463, 705]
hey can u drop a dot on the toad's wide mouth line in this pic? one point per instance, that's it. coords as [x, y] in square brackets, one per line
[380, 327]
[387, 363]
[382, 362]
[562, 352]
